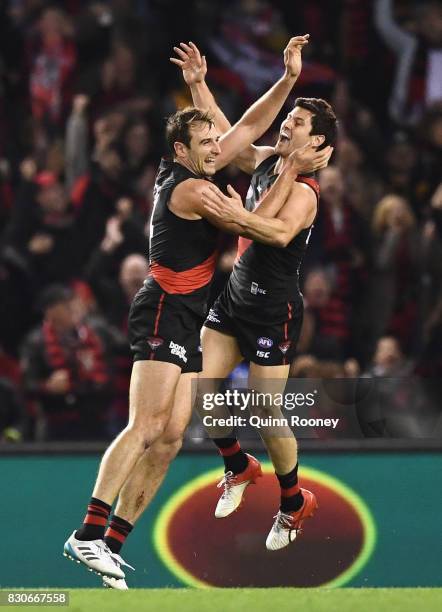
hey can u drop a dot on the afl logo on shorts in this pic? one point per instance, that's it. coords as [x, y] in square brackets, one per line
[284, 346]
[264, 342]
[154, 342]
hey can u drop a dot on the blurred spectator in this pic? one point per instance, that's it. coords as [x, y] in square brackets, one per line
[396, 262]
[388, 359]
[430, 132]
[52, 59]
[15, 297]
[140, 167]
[395, 404]
[115, 284]
[418, 79]
[114, 280]
[401, 170]
[326, 330]
[43, 229]
[67, 372]
[340, 242]
[339, 235]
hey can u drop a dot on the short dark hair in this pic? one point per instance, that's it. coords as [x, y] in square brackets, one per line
[324, 122]
[178, 125]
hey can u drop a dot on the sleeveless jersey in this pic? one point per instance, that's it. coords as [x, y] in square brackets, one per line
[182, 252]
[265, 276]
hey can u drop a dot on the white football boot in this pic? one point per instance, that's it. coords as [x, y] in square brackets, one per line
[117, 583]
[95, 554]
[234, 487]
[288, 525]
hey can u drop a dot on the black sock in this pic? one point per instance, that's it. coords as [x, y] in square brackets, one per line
[291, 496]
[95, 520]
[117, 533]
[235, 459]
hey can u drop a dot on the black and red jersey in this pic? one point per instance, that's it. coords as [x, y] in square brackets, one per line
[182, 252]
[261, 269]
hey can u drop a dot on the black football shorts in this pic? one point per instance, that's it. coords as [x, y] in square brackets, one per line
[161, 328]
[271, 342]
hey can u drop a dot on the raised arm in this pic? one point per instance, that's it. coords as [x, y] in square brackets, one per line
[194, 67]
[236, 144]
[397, 38]
[260, 116]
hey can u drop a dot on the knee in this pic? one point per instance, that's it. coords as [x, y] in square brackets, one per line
[165, 451]
[146, 432]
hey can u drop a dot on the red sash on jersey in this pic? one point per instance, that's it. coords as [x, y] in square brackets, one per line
[187, 281]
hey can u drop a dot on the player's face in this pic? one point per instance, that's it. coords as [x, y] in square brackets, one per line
[295, 131]
[204, 149]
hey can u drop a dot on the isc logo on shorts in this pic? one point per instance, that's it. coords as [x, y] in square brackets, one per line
[264, 342]
[263, 354]
[178, 350]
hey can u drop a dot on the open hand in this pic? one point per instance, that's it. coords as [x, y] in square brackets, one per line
[228, 209]
[307, 159]
[292, 55]
[191, 62]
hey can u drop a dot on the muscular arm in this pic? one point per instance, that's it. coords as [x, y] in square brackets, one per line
[297, 213]
[186, 202]
[252, 125]
[283, 211]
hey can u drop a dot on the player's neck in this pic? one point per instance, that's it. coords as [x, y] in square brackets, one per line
[187, 164]
[280, 164]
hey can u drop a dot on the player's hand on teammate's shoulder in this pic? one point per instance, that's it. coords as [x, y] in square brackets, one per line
[307, 159]
[191, 62]
[292, 55]
[228, 208]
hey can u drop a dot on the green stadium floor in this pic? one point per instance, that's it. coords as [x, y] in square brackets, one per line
[252, 600]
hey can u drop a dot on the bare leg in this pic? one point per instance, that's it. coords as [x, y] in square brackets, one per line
[152, 390]
[151, 468]
[280, 442]
[220, 356]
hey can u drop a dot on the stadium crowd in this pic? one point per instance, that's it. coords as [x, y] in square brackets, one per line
[84, 89]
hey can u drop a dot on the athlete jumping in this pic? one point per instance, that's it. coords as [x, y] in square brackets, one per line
[258, 316]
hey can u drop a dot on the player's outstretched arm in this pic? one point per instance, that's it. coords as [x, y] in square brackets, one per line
[260, 116]
[194, 67]
[297, 213]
